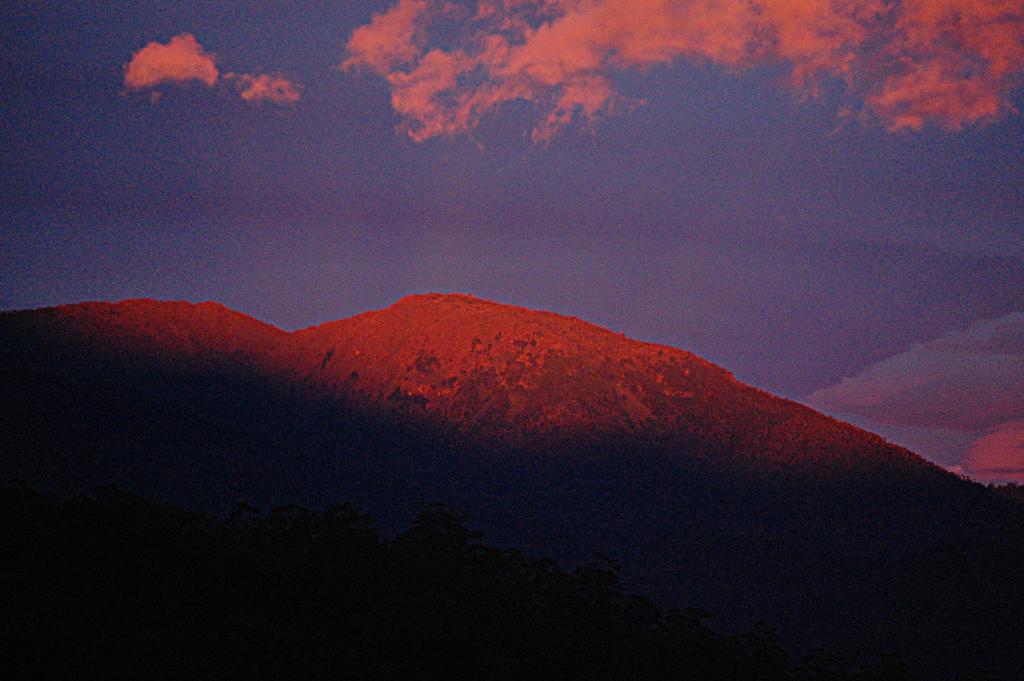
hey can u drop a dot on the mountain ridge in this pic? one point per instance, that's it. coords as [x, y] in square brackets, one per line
[479, 367]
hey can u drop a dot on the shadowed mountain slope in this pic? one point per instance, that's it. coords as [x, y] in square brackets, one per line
[550, 433]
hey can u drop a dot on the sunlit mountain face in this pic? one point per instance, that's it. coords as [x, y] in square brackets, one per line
[475, 368]
[552, 434]
[498, 370]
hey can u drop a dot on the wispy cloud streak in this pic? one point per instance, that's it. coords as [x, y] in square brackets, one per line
[999, 454]
[970, 381]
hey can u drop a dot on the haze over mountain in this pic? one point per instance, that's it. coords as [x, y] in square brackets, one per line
[551, 433]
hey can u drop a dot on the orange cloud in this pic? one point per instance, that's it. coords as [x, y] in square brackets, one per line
[267, 87]
[998, 455]
[912, 63]
[960, 60]
[183, 59]
[179, 61]
[390, 39]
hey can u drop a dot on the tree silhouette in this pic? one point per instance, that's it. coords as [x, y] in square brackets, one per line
[112, 585]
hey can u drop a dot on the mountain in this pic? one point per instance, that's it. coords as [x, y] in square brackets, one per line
[499, 370]
[551, 434]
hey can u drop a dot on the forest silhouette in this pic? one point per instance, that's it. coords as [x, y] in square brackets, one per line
[112, 586]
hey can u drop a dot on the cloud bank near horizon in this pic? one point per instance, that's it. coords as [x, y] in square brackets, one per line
[183, 60]
[998, 454]
[970, 381]
[906, 64]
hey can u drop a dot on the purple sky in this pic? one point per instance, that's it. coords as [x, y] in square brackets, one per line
[796, 229]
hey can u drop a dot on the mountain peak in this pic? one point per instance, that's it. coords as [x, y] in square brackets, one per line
[480, 367]
[166, 329]
[469, 309]
[488, 367]
[451, 298]
[474, 362]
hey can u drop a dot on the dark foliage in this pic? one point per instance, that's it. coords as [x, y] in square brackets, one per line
[112, 586]
[1010, 490]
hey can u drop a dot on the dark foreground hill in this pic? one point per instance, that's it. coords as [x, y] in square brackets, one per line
[552, 435]
[113, 586]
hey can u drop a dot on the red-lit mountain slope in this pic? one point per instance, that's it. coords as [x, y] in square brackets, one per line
[495, 370]
[179, 333]
[476, 363]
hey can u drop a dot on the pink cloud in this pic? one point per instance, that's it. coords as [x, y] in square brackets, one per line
[998, 455]
[390, 39]
[911, 63]
[267, 87]
[963, 393]
[181, 60]
[968, 380]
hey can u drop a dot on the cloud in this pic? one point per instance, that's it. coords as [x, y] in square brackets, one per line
[183, 60]
[998, 455]
[179, 61]
[267, 87]
[389, 40]
[911, 63]
[970, 381]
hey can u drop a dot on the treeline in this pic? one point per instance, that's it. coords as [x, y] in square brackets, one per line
[1009, 490]
[112, 586]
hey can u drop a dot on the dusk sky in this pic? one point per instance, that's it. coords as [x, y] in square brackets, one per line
[826, 197]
